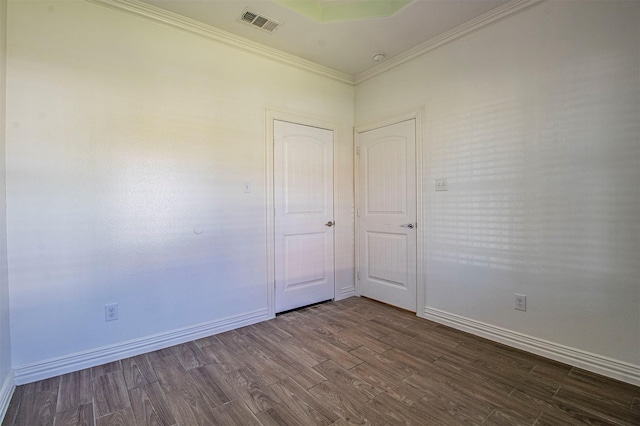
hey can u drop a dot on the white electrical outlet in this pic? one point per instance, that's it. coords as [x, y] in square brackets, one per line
[441, 184]
[111, 312]
[521, 302]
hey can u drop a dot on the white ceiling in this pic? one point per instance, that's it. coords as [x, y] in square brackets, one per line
[348, 46]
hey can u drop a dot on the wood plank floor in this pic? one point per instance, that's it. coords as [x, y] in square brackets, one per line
[353, 362]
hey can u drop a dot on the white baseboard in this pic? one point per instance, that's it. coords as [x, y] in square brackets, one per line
[592, 362]
[78, 361]
[345, 293]
[6, 392]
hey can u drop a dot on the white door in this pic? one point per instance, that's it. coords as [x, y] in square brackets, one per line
[387, 214]
[303, 192]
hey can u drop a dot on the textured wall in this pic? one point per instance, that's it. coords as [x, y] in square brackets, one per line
[129, 144]
[534, 122]
[5, 341]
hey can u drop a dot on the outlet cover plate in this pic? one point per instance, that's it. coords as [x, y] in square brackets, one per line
[111, 312]
[520, 302]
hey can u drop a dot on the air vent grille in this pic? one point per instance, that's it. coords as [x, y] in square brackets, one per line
[259, 21]
[248, 16]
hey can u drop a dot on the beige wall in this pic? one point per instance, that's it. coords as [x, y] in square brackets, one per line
[6, 380]
[534, 122]
[124, 136]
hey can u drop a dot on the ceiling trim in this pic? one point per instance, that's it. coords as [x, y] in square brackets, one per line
[486, 19]
[192, 26]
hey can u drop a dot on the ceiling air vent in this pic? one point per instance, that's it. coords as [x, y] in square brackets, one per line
[254, 19]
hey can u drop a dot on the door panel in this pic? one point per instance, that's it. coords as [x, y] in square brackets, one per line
[303, 196]
[387, 176]
[304, 260]
[387, 259]
[387, 214]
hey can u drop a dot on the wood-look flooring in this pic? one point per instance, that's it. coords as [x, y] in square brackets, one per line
[352, 362]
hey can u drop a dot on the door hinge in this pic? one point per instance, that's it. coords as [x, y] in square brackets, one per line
[357, 150]
[358, 275]
[358, 212]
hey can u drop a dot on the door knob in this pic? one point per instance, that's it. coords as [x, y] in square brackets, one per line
[408, 225]
[329, 224]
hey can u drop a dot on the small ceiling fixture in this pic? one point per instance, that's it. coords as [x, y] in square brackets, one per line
[378, 57]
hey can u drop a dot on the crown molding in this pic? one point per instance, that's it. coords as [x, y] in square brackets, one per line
[484, 20]
[192, 26]
[153, 13]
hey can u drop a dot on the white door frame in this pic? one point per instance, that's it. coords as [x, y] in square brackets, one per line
[420, 281]
[270, 116]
